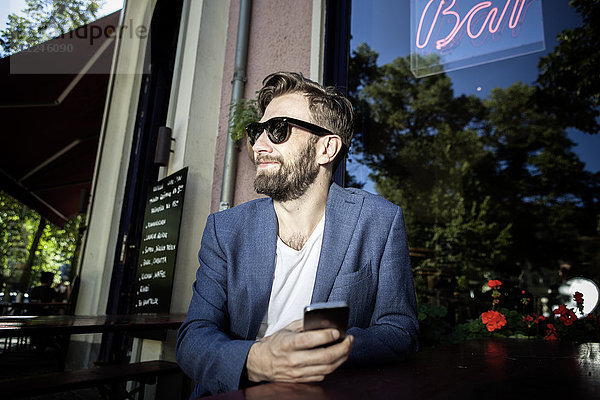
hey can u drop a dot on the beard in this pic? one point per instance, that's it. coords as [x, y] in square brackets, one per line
[292, 179]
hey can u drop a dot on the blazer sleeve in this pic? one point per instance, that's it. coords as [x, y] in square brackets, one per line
[204, 349]
[393, 330]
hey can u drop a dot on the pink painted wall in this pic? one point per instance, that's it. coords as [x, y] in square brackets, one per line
[280, 35]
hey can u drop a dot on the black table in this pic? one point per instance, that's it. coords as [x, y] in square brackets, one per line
[33, 308]
[481, 369]
[16, 326]
[54, 331]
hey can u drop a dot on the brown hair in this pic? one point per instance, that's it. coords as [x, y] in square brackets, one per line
[328, 107]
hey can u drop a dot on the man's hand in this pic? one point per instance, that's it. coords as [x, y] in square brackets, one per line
[291, 355]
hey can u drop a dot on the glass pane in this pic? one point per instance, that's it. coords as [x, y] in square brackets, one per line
[494, 155]
[450, 35]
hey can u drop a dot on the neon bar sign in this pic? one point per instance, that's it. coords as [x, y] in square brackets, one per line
[516, 13]
[447, 33]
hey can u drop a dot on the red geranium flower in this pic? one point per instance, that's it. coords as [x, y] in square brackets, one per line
[567, 316]
[493, 320]
[551, 333]
[494, 284]
[528, 318]
[578, 297]
[560, 310]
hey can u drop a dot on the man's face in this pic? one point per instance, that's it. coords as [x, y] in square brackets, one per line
[285, 171]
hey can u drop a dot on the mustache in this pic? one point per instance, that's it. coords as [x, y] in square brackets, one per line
[259, 159]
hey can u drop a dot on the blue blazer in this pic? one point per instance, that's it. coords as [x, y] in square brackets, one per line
[364, 261]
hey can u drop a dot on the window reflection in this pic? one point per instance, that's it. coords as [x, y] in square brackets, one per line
[494, 165]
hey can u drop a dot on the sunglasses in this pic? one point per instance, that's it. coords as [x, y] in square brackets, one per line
[278, 129]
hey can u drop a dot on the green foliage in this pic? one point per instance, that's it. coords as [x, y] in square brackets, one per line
[468, 242]
[547, 196]
[488, 184]
[582, 331]
[57, 245]
[18, 225]
[569, 83]
[433, 328]
[45, 19]
[241, 114]
[514, 328]
[475, 329]
[424, 145]
[470, 330]
[431, 311]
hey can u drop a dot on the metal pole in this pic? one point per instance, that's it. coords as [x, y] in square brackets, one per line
[237, 93]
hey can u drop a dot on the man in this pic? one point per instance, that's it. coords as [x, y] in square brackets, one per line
[310, 241]
[44, 293]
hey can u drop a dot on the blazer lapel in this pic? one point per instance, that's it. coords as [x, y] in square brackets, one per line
[341, 215]
[261, 265]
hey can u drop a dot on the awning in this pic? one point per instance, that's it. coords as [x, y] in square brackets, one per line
[51, 105]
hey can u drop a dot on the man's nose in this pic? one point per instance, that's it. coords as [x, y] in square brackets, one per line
[262, 144]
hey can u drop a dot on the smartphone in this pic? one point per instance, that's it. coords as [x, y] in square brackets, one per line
[327, 315]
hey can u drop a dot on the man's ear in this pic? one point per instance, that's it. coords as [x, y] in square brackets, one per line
[329, 147]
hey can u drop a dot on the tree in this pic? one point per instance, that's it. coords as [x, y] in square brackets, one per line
[45, 19]
[537, 179]
[26, 275]
[423, 143]
[16, 224]
[29, 245]
[489, 185]
[569, 83]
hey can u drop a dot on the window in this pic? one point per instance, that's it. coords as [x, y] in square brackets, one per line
[492, 155]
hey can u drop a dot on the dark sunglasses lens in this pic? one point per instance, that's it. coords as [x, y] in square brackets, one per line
[254, 129]
[278, 131]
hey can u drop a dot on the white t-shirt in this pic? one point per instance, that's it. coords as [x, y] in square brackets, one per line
[293, 282]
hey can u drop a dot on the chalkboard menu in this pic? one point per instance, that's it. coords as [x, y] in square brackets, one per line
[158, 244]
